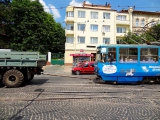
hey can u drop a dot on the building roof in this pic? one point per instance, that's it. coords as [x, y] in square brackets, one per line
[97, 7]
[155, 44]
[141, 12]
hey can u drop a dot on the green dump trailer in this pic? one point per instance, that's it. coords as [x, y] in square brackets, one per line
[17, 68]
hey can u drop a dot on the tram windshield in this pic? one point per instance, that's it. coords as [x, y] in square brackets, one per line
[101, 56]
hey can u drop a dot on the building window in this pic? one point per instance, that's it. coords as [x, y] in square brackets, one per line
[94, 15]
[70, 14]
[70, 27]
[121, 17]
[81, 27]
[94, 40]
[152, 23]
[106, 40]
[94, 27]
[106, 15]
[81, 39]
[142, 23]
[137, 22]
[121, 30]
[106, 28]
[158, 22]
[69, 40]
[120, 41]
[81, 14]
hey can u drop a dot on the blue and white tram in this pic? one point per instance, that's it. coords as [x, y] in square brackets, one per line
[122, 63]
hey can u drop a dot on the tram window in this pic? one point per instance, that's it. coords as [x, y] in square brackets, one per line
[112, 51]
[149, 55]
[128, 55]
[103, 57]
[98, 55]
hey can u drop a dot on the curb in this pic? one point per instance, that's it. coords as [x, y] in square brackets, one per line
[90, 78]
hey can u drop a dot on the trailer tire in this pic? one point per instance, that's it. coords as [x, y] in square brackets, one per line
[13, 78]
[1, 83]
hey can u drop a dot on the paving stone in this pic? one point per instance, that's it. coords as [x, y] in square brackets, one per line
[64, 98]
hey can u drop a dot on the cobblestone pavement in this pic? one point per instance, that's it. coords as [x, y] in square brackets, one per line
[64, 98]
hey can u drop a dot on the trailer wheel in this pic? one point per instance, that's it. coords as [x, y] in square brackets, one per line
[13, 78]
[1, 83]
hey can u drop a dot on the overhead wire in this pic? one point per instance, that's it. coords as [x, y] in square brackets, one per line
[62, 7]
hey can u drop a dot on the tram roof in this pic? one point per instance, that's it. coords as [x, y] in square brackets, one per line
[128, 45]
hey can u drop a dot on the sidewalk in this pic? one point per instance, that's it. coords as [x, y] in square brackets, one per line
[63, 71]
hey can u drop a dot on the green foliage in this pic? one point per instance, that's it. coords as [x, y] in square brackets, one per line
[60, 39]
[131, 38]
[5, 13]
[154, 32]
[5, 2]
[151, 35]
[30, 28]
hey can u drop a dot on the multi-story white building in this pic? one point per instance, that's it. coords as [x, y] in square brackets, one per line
[91, 25]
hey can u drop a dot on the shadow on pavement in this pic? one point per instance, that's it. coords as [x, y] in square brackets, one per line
[37, 82]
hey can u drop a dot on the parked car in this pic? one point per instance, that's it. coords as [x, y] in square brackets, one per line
[83, 68]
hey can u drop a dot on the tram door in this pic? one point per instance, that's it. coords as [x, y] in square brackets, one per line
[127, 64]
[110, 66]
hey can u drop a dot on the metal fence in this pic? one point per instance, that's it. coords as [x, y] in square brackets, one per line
[57, 58]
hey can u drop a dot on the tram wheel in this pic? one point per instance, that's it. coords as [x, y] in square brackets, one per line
[143, 81]
[114, 83]
[157, 80]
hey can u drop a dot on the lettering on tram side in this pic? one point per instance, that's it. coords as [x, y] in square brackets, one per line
[109, 69]
[144, 68]
[155, 68]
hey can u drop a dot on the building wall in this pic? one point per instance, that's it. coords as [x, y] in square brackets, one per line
[113, 22]
[87, 33]
[148, 18]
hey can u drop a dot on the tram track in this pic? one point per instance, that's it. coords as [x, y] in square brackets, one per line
[71, 95]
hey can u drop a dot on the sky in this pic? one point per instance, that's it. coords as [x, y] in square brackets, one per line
[58, 7]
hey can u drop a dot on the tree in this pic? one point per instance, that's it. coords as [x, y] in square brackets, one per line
[132, 38]
[5, 2]
[28, 30]
[5, 21]
[154, 32]
[150, 35]
[59, 43]
[32, 29]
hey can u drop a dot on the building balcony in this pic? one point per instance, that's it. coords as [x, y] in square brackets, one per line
[69, 32]
[69, 46]
[69, 20]
[120, 34]
[122, 22]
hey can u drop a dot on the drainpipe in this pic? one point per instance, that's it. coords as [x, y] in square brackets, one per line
[130, 10]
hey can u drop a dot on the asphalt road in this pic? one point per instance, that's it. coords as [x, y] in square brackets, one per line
[65, 98]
